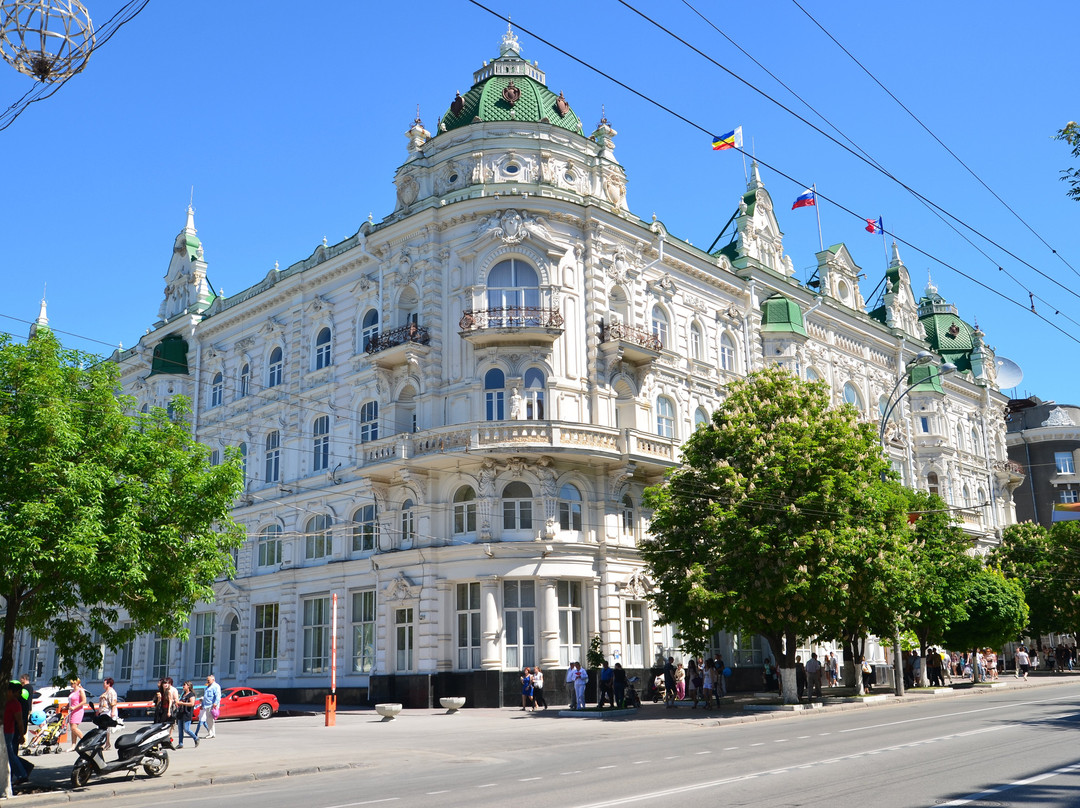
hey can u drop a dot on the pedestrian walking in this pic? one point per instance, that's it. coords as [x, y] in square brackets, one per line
[1023, 663]
[707, 682]
[813, 676]
[538, 688]
[669, 682]
[13, 732]
[680, 682]
[607, 685]
[211, 704]
[571, 682]
[107, 706]
[164, 703]
[581, 678]
[693, 676]
[76, 709]
[527, 690]
[620, 685]
[185, 712]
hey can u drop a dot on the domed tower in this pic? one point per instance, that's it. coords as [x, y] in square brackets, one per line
[509, 134]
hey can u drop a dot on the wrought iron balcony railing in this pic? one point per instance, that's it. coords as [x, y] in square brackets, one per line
[628, 333]
[511, 317]
[399, 336]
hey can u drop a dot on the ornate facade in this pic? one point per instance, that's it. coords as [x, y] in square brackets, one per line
[448, 419]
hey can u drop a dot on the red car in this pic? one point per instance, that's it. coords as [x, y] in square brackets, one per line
[243, 702]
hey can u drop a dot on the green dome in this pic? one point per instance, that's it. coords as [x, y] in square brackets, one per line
[948, 335]
[778, 314]
[509, 89]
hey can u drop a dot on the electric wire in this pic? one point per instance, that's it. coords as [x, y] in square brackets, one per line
[787, 176]
[927, 129]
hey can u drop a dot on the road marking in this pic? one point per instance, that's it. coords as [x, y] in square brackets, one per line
[730, 748]
[758, 744]
[1008, 786]
[672, 757]
[365, 802]
[703, 753]
[444, 791]
[488, 785]
[781, 740]
[605, 767]
[951, 715]
[638, 762]
[667, 793]
[578, 771]
[529, 779]
[803, 737]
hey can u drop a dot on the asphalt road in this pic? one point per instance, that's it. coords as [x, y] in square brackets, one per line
[1015, 747]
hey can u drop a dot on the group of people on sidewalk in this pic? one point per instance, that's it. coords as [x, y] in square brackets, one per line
[178, 708]
[532, 689]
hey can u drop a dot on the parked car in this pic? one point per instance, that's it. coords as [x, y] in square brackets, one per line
[244, 702]
[48, 699]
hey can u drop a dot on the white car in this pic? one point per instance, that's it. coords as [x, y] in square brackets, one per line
[48, 699]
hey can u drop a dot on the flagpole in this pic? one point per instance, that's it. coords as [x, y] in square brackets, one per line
[884, 244]
[817, 210]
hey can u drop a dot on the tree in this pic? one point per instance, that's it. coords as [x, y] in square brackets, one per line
[102, 511]
[1046, 566]
[1070, 133]
[778, 522]
[942, 568]
[994, 612]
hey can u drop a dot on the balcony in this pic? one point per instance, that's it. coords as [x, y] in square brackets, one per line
[630, 343]
[1009, 473]
[393, 348]
[519, 324]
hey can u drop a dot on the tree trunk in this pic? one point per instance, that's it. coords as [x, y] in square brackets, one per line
[975, 677]
[852, 665]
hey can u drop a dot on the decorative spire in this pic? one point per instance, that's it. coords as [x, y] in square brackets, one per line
[931, 290]
[509, 44]
[895, 256]
[755, 177]
[42, 321]
[189, 227]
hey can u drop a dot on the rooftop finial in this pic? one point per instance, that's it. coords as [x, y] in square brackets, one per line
[509, 42]
[930, 288]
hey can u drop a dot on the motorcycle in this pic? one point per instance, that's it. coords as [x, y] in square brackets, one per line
[147, 747]
[632, 697]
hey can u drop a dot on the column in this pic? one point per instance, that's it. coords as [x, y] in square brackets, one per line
[490, 626]
[548, 628]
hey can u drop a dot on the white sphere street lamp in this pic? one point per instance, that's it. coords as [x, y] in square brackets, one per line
[49, 40]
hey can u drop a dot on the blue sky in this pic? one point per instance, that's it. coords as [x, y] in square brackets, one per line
[289, 122]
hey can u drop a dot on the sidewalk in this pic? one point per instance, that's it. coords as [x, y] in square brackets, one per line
[297, 742]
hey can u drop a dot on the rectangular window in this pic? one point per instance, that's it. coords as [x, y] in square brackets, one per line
[273, 456]
[204, 644]
[519, 603]
[318, 542]
[1064, 463]
[269, 546]
[635, 635]
[100, 670]
[924, 424]
[747, 649]
[465, 517]
[569, 598]
[493, 405]
[363, 621]
[266, 639]
[124, 657]
[569, 515]
[1069, 495]
[321, 444]
[159, 657]
[517, 514]
[365, 529]
[403, 636]
[468, 626]
[316, 635]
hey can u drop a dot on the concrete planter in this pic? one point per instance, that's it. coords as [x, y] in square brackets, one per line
[388, 711]
[452, 703]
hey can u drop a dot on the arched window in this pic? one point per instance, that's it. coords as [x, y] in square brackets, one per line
[627, 515]
[660, 325]
[851, 396]
[967, 496]
[975, 442]
[369, 421]
[232, 644]
[700, 417]
[932, 483]
[982, 497]
[322, 349]
[569, 508]
[513, 292]
[727, 353]
[273, 378]
[365, 535]
[534, 394]
[268, 550]
[465, 510]
[273, 456]
[697, 342]
[217, 387]
[882, 405]
[321, 443]
[517, 499]
[317, 540]
[665, 417]
[408, 523]
[243, 463]
[245, 380]
[494, 395]
[369, 330]
[812, 375]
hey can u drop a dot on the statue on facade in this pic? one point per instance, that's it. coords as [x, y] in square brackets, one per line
[517, 406]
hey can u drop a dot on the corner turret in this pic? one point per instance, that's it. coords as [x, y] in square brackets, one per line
[186, 288]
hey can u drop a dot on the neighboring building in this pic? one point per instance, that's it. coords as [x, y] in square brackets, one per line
[448, 419]
[1044, 440]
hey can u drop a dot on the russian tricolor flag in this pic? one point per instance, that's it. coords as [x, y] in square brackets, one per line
[806, 199]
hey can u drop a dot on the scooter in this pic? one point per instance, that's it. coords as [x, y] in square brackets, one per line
[147, 747]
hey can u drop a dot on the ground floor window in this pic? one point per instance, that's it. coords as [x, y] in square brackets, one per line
[747, 649]
[468, 626]
[363, 620]
[316, 635]
[266, 639]
[204, 644]
[635, 635]
[569, 599]
[159, 657]
[519, 618]
[403, 635]
[123, 658]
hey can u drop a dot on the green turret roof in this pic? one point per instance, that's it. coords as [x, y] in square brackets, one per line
[948, 335]
[509, 89]
[778, 314]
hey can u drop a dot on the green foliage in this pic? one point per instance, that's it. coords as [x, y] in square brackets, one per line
[941, 569]
[1046, 565]
[1070, 133]
[779, 522]
[594, 657]
[994, 612]
[103, 510]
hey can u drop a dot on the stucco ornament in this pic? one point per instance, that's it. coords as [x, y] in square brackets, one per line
[513, 227]
[1058, 417]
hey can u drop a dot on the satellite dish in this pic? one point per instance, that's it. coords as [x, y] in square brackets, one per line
[1009, 374]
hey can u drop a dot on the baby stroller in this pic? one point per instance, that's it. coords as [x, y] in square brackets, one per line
[632, 697]
[47, 738]
[658, 692]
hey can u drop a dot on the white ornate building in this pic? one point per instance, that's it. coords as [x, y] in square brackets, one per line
[449, 418]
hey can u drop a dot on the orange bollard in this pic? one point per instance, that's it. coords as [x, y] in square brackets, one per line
[331, 710]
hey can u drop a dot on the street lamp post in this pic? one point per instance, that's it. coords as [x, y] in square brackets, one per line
[891, 403]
